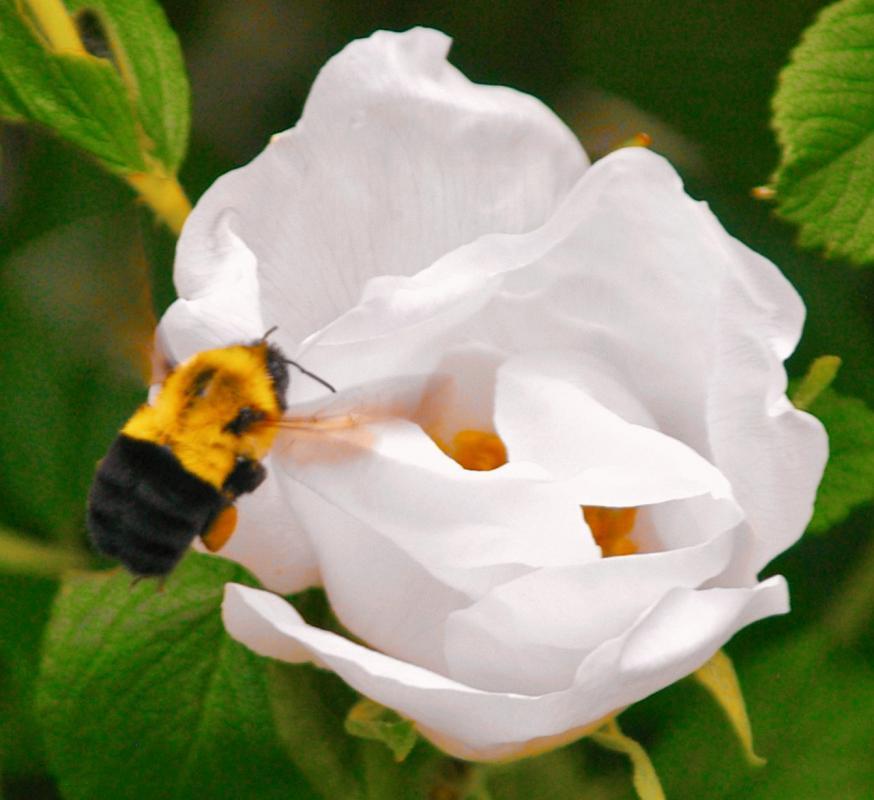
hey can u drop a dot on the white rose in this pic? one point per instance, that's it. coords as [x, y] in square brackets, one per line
[443, 249]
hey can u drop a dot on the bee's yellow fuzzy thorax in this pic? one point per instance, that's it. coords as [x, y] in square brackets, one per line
[197, 402]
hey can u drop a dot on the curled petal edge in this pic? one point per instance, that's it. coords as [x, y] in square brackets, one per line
[672, 640]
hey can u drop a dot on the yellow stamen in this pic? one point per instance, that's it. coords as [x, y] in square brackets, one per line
[477, 450]
[611, 528]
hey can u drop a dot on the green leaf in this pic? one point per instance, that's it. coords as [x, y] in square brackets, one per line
[811, 712]
[564, 774]
[24, 613]
[824, 118]
[81, 98]
[149, 58]
[310, 706]
[129, 109]
[143, 694]
[307, 706]
[370, 720]
[72, 314]
[849, 475]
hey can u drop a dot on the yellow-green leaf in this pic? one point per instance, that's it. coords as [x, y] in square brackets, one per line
[645, 779]
[720, 679]
[370, 720]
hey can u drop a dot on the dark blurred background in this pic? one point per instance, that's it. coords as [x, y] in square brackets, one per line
[77, 256]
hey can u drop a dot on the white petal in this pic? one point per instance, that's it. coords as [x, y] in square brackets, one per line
[464, 527]
[226, 309]
[694, 324]
[676, 637]
[270, 541]
[634, 278]
[661, 644]
[375, 589]
[461, 393]
[405, 324]
[530, 635]
[545, 415]
[396, 160]
[773, 454]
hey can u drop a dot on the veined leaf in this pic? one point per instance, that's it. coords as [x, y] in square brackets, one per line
[849, 475]
[824, 118]
[81, 98]
[128, 106]
[149, 59]
[142, 693]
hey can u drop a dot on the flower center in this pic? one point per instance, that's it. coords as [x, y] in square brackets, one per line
[611, 528]
[477, 450]
[480, 450]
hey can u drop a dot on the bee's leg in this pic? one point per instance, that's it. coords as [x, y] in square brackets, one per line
[161, 580]
[246, 476]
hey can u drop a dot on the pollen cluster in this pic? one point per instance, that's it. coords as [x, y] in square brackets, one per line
[476, 450]
[611, 528]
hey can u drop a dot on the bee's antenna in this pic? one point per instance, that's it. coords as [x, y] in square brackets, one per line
[310, 374]
[298, 366]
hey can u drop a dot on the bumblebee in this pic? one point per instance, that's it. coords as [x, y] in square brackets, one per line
[176, 468]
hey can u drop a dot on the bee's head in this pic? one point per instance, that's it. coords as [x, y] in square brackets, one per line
[277, 367]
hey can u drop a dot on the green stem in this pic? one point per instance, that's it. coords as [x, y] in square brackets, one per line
[819, 376]
[20, 555]
[57, 26]
[164, 195]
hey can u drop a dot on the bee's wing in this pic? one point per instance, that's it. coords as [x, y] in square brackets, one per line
[339, 422]
[341, 426]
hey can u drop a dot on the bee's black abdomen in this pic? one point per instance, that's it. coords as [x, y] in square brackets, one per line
[145, 508]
